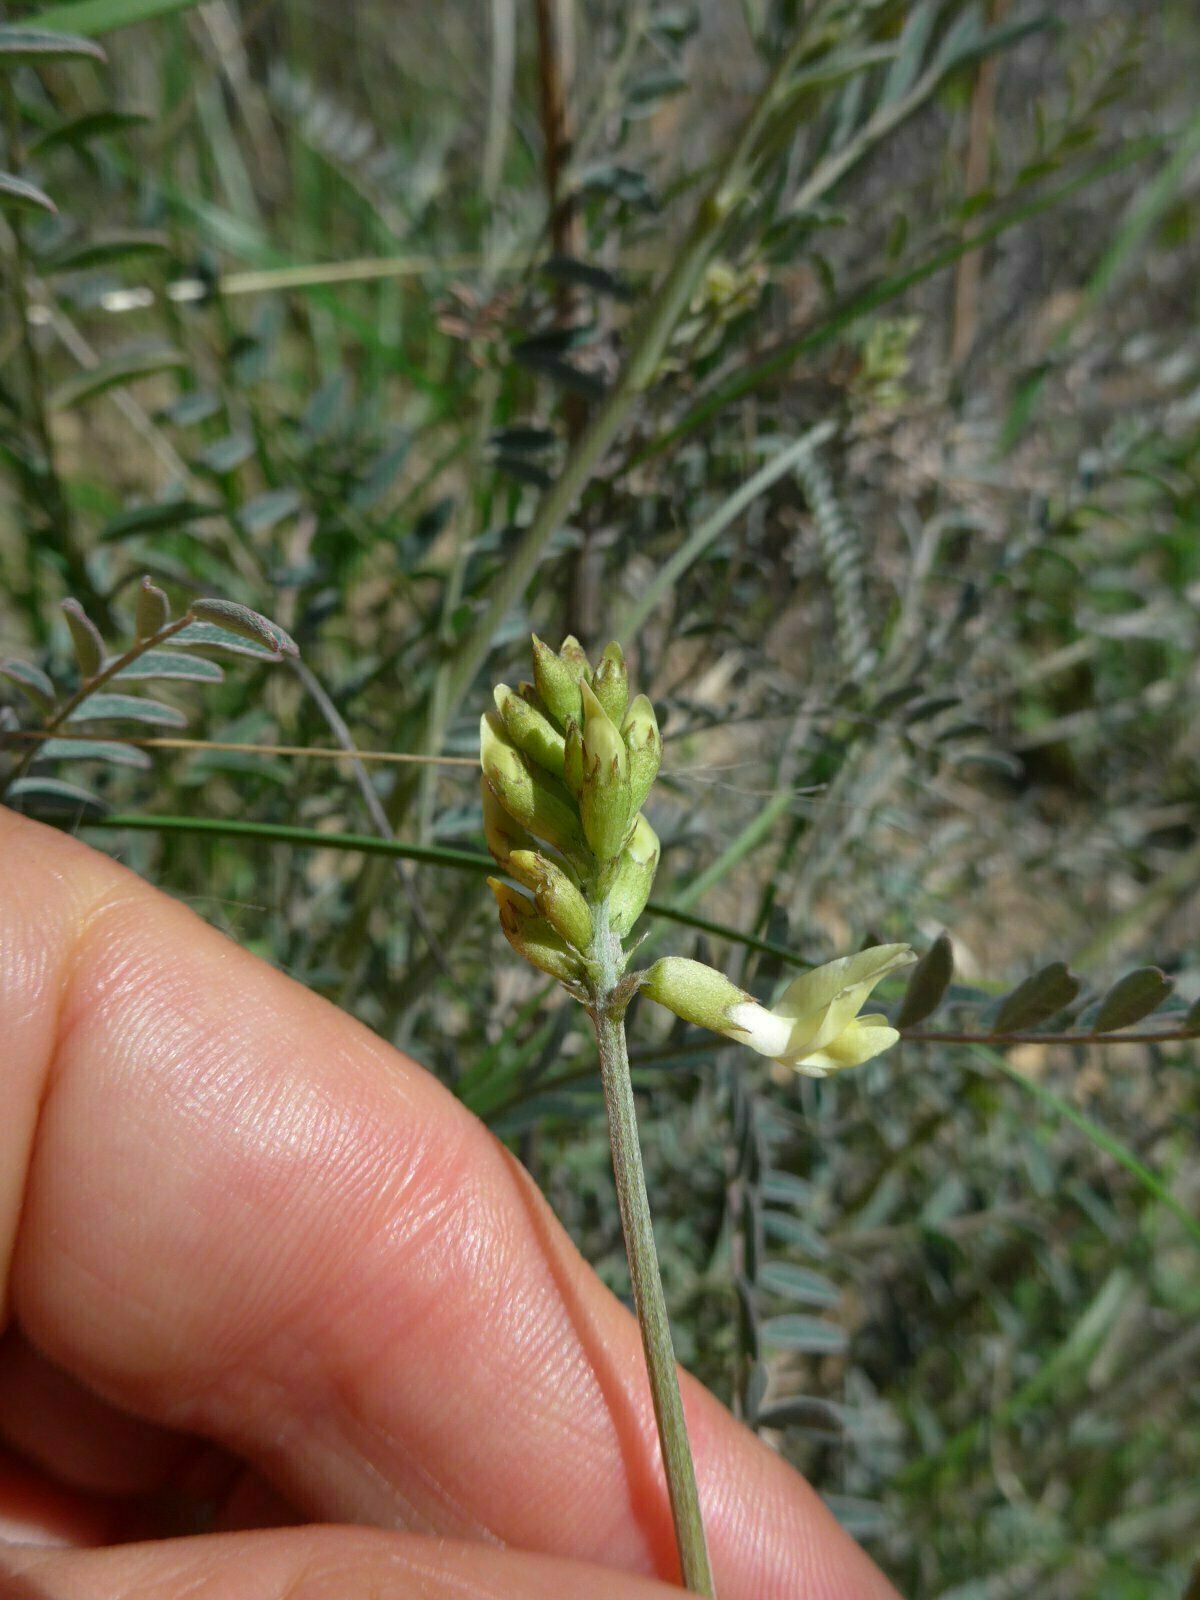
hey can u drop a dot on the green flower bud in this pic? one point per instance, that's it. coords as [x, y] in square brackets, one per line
[604, 799]
[635, 877]
[575, 656]
[558, 899]
[501, 833]
[556, 682]
[573, 758]
[530, 796]
[611, 682]
[644, 744]
[532, 936]
[529, 730]
[694, 992]
[529, 694]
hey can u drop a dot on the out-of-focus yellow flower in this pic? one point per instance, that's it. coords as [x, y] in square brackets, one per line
[814, 1027]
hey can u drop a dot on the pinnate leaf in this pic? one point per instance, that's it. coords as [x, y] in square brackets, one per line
[141, 359]
[117, 755]
[929, 981]
[246, 624]
[800, 1284]
[1038, 998]
[1131, 998]
[154, 518]
[85, 636]
[808, 1335]
[153, 609]
[129, 708]
[104, 249]
[27, 44]
[91, 125]
[32, 680]
[44, 796]
[167, 664]
[18, 195]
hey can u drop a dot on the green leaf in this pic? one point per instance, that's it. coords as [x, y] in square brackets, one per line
[523, 440]
[785, 1189]
[196, 405]
[153, 610]
[240, 620]
[119, 755]
[1191, 1021]
[790, 1230]
[583, 274]
[1131, 998]
[104, 249]
[241, 762]
[227, 454]
[166, 664]
[17, 195]
[925, 710]
[929, 981]
[381, 474]
[800, 1411]
[973, 43]
[208, 636]
[155, 518]
[130, 708]
[42, 796]
[1037, 999]
[126, 365]
[910, 51]
[801, 1284]
[28, 44]
[263, 511]
[85, 636]
[92, 125]
[102, 16]
[32, 680]
[808, 1335]
[524, 470]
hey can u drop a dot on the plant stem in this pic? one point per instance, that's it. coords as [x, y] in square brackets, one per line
[648, 1298]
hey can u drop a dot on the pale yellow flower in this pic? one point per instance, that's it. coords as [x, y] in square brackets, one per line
[814, 1027]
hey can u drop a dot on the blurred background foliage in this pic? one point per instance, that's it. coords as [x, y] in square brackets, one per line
[841, 359]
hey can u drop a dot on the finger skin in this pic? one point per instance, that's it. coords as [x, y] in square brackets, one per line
[317, 1563]
[232, 1211]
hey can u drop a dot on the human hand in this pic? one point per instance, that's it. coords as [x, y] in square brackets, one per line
[264, 1275]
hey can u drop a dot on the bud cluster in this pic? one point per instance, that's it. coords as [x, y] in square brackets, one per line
[568, 761]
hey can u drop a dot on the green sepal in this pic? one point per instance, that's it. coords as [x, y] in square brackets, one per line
[556, 683]
[573, 758]
[611, 682]
[557, 898]
[529, 730]
[530, 796]
[501, 833]
[644, 744]
[635, 877]
[532, 937]
[604, 798]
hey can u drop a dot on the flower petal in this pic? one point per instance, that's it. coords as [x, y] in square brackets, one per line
[864, 1038]
[822, 1002]
[763, 1030]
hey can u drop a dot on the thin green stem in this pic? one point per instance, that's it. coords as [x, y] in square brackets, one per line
[648, 1298]
[90, 685]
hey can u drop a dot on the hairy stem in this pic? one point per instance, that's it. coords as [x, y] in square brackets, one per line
[648, 1298]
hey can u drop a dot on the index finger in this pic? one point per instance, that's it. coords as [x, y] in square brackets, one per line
[230, 1209]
